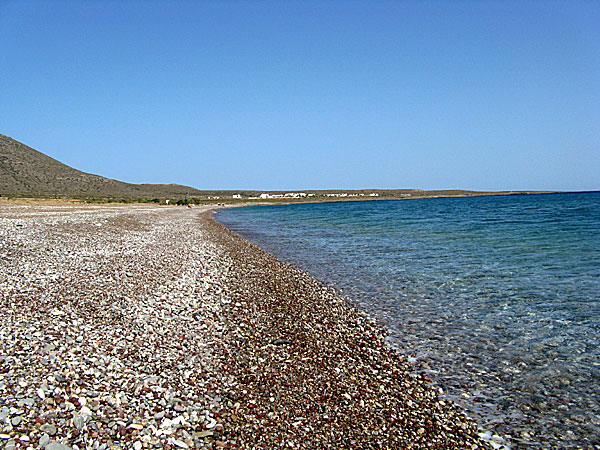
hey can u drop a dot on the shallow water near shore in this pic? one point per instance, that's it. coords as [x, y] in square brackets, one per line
[497, 299]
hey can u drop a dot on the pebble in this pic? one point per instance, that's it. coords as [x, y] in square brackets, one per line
[339, 386]
[49, 428]
[211, 423]
[203, 434]
[159, 318]
[179, 443]
[44, 440]
[16, 421]
[94, 348]
[78, 422]
[53, 445]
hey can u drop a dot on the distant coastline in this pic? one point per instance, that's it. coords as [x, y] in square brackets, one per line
[231, 198]
[29, 176]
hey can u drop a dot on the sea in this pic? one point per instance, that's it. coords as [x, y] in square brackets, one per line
[496, 299]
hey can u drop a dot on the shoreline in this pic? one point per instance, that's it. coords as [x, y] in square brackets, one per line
[305, 326]
[159, 327]
[227, 202]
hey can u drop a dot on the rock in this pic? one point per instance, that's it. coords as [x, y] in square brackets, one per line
[211, 423]
[49, 428]
[10, 445]
[203, 434]
[44, 440]
[78, 422]
[53, 445]
[179, 443]
[16, 421]
[125, 349]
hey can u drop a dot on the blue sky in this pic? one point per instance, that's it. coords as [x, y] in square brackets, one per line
[486, 95]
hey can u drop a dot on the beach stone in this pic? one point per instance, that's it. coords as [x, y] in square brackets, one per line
[203, 434]
[49, 348]
[78, 422]
[49, 428]
[180, 444]
[10, 445]
[53, 445]
[16, 421]
[188, 326]
[44, 440]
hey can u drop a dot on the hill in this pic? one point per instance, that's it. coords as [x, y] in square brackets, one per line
[27, 172]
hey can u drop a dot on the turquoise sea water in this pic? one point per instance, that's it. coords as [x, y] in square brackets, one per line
[497, 299]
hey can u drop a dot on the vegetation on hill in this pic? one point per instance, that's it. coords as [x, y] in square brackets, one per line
[26, 172]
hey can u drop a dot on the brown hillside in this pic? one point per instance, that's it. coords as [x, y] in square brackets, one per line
[27, 172]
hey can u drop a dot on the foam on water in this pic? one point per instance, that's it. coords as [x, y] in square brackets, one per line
[496, 298]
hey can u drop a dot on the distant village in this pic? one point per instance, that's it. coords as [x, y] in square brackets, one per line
[296, 195]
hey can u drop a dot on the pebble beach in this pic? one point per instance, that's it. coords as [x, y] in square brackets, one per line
[156, 327]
